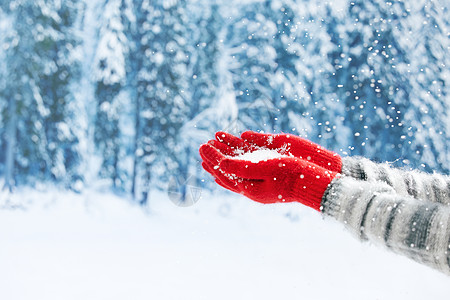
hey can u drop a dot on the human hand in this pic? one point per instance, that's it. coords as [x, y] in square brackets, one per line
[287, 144]
[283, 179]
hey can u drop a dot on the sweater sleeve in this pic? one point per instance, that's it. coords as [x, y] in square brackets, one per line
[374, 211]
[419, 185]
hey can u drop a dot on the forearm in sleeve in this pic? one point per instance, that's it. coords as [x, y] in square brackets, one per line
[419, 185]
[374, 211]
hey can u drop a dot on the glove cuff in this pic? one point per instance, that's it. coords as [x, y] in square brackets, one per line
[310, 191]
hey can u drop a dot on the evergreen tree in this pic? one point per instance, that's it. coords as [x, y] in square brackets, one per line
[204, 83]
[424, 35]
[133, 18]
[160, 41]
[4, 29]
[204, 32]
[264, 73]
[312, 42]
[41, 68]
[110, 82]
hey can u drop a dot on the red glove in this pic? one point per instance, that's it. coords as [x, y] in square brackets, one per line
[285, 179]
[283, 143]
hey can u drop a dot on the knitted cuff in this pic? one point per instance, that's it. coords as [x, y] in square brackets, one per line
[344, 192]
[310, 191]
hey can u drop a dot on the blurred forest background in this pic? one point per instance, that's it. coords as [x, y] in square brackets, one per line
[123, 92]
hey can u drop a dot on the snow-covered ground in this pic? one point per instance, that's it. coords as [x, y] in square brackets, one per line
[98, 246]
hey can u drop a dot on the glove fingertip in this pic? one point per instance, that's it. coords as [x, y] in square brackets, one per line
[210, 154]
[220, 135]
[223, 148]
[202, 149]
[248, 134]
[207, 168]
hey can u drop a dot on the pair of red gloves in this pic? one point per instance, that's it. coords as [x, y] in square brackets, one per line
[302, 174]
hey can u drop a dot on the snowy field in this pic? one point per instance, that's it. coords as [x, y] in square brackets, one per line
[96, 245]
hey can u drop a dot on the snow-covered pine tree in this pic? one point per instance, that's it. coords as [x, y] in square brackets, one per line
[424, 35]
[322, 120]
[110, 81]
[17, 89]
[5, 27]
[40, 141]
[167, 107]
[204, 84]
[55, 86]
[159, 51]
[263, 66]
[204, 31]
[133, 18]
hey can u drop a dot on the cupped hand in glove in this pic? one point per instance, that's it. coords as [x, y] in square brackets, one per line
[289, 144]
[283, 179]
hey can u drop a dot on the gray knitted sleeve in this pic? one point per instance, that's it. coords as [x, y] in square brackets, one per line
[419, 185]
[374, 211]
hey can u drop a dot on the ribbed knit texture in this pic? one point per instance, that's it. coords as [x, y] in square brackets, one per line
[419, 185]
[310, 188]
[375, 211]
